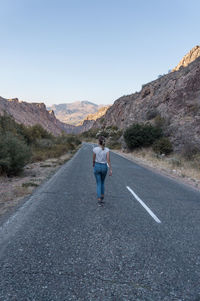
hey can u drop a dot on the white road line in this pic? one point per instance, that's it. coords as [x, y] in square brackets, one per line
[144, 205]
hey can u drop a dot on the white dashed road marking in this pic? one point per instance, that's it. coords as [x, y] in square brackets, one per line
[144, 205]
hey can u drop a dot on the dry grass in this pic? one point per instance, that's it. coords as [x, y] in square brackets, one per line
[188, 171]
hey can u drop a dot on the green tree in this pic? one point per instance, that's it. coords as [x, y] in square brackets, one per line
[14, 154]
[139, 135]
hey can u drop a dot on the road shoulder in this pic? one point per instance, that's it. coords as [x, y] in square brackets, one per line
[170, 173]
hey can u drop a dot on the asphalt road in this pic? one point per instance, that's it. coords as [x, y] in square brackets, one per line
[60, 245]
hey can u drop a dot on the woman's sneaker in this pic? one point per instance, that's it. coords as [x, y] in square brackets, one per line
[100, 203]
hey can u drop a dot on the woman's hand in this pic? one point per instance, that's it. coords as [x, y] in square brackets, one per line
[110, 172]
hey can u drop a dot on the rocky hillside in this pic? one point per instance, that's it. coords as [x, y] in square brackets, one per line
[188, 58]
[90, 120]
[33, 113]
[98, 114]
[74, 113]
[173, 99]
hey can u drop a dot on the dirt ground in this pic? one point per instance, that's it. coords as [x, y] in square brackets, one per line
[14, 189]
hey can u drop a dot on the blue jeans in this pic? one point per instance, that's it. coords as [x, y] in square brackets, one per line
[100, 171]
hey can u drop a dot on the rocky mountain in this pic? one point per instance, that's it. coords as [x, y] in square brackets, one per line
[173, 99]
[191, 56]
[89, 121]
[33, 113]
[74, 113]
[98, 114]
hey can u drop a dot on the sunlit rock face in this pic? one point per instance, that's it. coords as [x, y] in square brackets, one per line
[174, 98]
[191, 56]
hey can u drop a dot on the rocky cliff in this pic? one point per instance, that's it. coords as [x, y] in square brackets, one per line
[174, 98]
[90, 120]
[98, 114]
[191, 56]
[33, 113]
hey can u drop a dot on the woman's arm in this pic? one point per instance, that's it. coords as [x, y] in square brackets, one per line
[109, 163]
[94, 157]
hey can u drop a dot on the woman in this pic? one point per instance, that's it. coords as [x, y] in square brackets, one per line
[101, 158]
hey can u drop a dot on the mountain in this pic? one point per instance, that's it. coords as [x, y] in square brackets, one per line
[191, 56]
[89, 121]
[98, 114]
[33, 113]
[74, 113]
[173, 99]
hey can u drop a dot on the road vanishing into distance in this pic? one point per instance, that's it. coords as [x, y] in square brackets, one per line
[143, 244]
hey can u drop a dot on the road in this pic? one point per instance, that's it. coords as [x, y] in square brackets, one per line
[60, 245]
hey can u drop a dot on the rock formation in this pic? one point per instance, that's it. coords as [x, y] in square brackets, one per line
[33, 113]
[174, 98]
[98, 114]
[188, 58]
[88, 123]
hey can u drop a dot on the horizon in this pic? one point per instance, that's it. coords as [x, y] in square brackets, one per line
[92, 51]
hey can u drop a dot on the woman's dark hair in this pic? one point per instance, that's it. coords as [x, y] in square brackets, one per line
[102, 141]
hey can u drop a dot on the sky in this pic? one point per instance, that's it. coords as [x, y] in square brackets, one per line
[60, 51]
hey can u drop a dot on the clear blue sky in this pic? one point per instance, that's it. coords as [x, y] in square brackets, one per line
[58, 51]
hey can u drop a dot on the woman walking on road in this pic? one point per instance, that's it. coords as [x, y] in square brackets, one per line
[101, 161]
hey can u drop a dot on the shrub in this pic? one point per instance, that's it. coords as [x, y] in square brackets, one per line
[14, 154]
[34, 133]
[44, 143]
[19, 142]
[139, 135]
[112, 127]
[163, 146]
[72, 139]
[113, 144]
[90, 133]
[102, 133]
[7, 124]
[190, 150]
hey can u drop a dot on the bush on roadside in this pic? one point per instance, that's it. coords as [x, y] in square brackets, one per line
[34, 133]
[14, 154]
[68, 138]
[163, 146]
[54, 152]
[113, 144]
[53, 148]
[89, 134]
[190, 150]
[103, 133]
[19, 143]
[141, 135]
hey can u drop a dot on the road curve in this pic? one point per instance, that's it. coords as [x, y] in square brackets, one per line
[61, 246]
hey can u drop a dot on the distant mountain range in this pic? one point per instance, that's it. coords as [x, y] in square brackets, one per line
[74, 113]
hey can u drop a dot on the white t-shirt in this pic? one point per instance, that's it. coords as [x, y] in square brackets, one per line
[100, 154]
